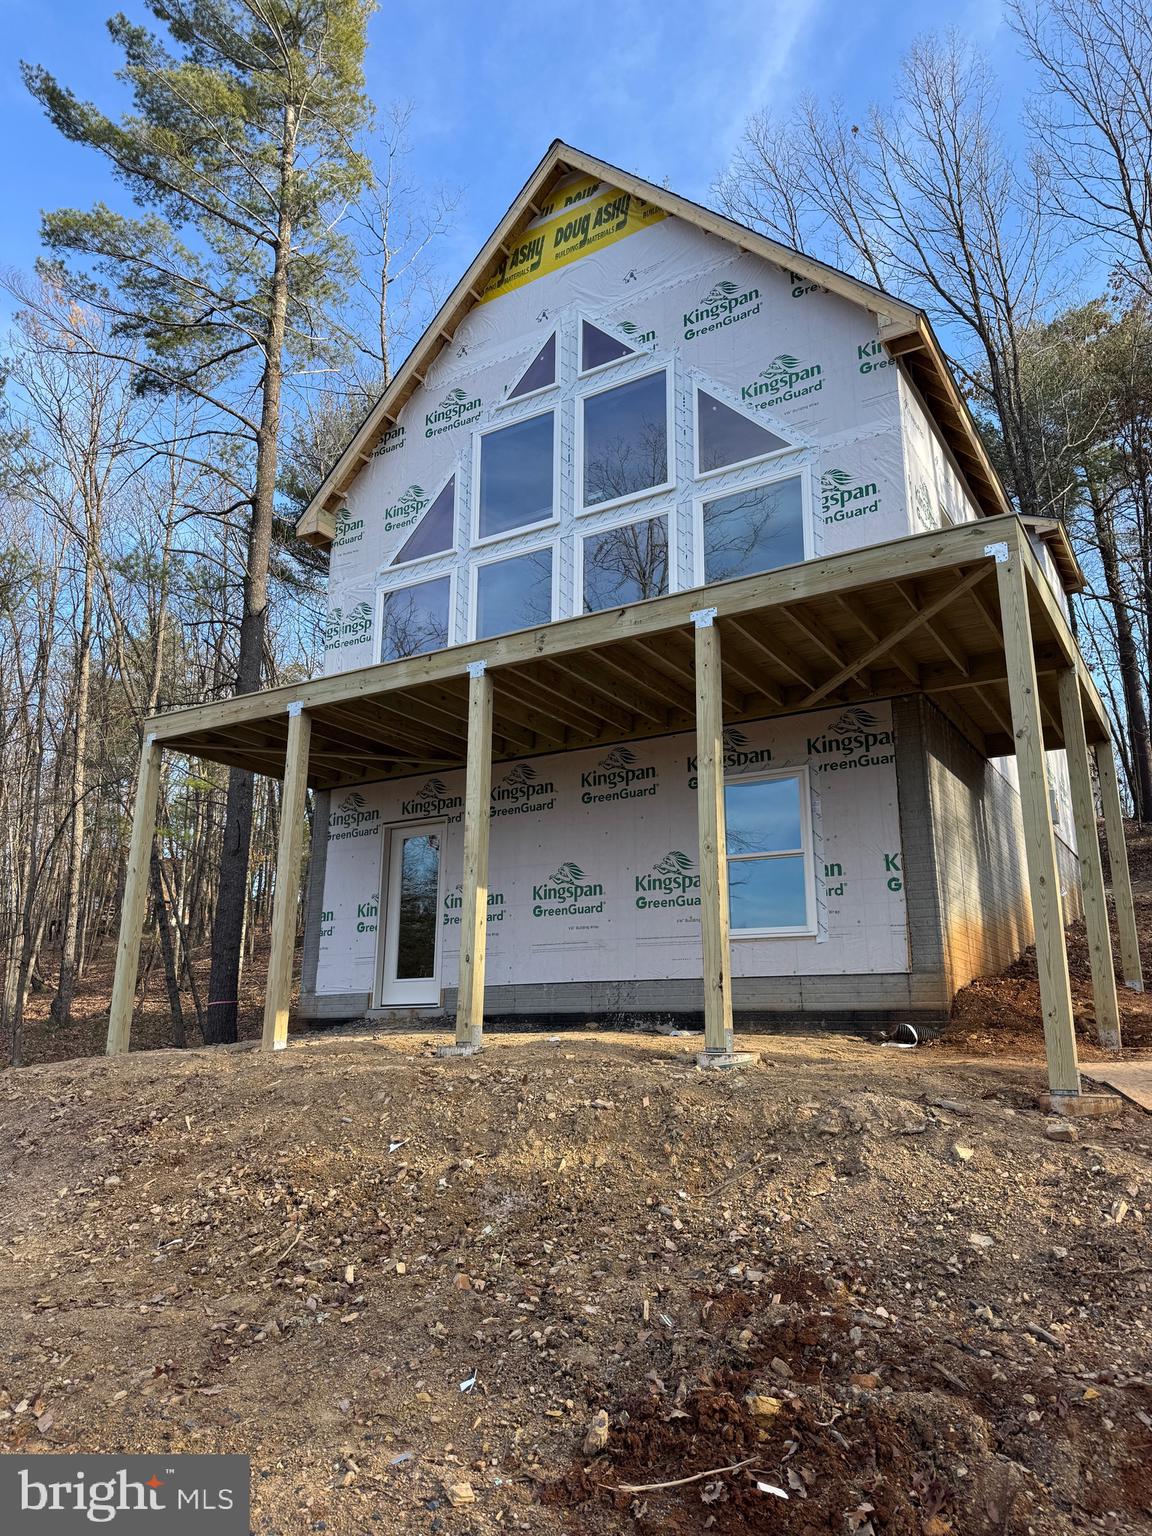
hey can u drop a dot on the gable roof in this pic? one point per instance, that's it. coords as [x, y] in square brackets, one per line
[904, 330]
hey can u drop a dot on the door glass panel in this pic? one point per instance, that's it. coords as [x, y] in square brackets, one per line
[754, 530]
[625, 440]
[416, 912]
[768, 893]
[626, 565]
[725, 436]
[516, 476]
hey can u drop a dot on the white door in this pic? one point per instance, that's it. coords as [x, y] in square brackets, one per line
[410, 964]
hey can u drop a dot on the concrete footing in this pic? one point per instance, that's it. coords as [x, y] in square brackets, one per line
[459, 1050]
[1082, 1105]
[717, 1061]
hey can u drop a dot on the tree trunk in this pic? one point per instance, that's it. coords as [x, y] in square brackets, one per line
[1128, 662]
[228, 925]
[62, 1004]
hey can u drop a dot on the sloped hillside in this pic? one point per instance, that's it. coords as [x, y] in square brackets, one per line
[517, 1292]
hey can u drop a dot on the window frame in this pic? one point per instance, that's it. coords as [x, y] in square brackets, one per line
[583, 531]
[728, 469]
[803, 776]
[494, 557]
[711, 493]
[608, 328]
[442, 554]
[383, 591]
[533, 394]
[479, 541]
[583, 396]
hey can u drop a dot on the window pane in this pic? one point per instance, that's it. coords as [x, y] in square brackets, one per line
[767, 893]
[415, 619]
[597, 347]
[541, 371]
[763, 816]
[436, 531]
[625, 440]
[724, 436]
[756, 530]
[516, 476]
[626, 565]
[514, 594]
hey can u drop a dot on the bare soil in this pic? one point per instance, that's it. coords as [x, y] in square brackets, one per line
[406, 1287]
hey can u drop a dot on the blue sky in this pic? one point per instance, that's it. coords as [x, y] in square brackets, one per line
[661, 87]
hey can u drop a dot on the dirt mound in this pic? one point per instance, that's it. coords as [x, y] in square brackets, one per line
[410, 1289]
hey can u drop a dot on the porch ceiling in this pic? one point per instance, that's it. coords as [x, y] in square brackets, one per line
[920, 615]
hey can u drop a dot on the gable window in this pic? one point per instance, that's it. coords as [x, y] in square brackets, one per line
[597, 348]
[435, 533]
[514, 593]
[516, 476]
[540, 372]
[624, 441]
[414, 619]
[756, 529]
[770, 874]
[726, 437]
[625, 564]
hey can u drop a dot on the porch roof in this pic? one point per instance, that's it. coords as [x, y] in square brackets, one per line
[918, 615]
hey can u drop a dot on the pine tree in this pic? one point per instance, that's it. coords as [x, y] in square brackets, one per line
[239, 157]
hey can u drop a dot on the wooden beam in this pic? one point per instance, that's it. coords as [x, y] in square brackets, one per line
[293, 799]
[920, 617]
[714, 918]
[1039, 838]
[135, 902]
[1118, 860]
[477, 819]
[1088, 857]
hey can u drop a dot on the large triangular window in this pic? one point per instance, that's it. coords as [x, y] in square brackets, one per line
[540, 373]
[726, 437]
[598, 348]
[435, 533]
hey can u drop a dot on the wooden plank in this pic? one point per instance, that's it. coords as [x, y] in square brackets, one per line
[477, 819]
[293, 799]
[1118, 859]
[135, 902]
[1039, 838]
[714, 919]
[1091, 868]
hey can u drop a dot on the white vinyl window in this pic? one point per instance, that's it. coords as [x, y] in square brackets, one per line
[771, 880]
[513, 592]
[624, 564]
[516, 475]
[435, 533]
[625, 441]
[598, 349]
[753, 529]
[415, 619]
[539, 375]
[726, 438]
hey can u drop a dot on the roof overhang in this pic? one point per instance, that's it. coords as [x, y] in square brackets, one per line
[904, 330]
[920, 615]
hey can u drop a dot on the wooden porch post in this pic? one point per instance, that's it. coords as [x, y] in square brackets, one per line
[135, 899]
[1118, 859]
[713, 839]
[278, 992]
[1091, 868]
[1039, 838]
[477, 819]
